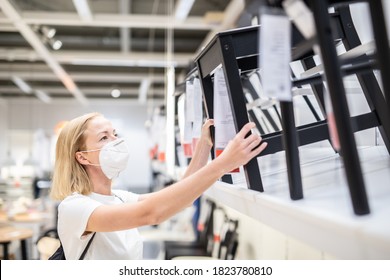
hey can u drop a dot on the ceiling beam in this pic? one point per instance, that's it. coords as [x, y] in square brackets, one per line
[183, 8]
[106, 58]
[231, 15]
[41, 49]
[101, 90]
[83, 9]
[105, 77]
[113, 20]
[125, 32]
[98, 42]
[7, 27]
[133, 59]
[93, 101]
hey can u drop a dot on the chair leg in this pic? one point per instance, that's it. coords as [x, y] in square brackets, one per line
[339, 103]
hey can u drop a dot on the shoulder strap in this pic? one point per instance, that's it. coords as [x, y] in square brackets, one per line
[119, 197]
[90, 241]
[86, 248]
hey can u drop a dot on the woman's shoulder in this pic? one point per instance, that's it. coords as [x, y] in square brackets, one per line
[126, 196]
[77, 202]
[75, 195]
[75, 198]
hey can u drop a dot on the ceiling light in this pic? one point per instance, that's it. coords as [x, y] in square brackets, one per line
[22, 85]
[83, 9]
[115, 93]
[43, 96]
[31, 37]
[183, 8]
[48, 32]
[56, 44]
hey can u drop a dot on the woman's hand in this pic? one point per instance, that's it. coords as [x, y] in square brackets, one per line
[241, 149]
[205, 136]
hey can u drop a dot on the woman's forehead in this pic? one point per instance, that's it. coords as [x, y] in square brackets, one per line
[99, 124]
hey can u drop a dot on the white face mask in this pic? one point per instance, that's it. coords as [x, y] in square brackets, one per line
[113, 157]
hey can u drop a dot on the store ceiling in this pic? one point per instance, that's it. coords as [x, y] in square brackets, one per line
[121, 44]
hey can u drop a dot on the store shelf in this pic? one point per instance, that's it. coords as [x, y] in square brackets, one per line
[324, 218]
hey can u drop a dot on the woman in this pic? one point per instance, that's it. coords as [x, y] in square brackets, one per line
[89, 155]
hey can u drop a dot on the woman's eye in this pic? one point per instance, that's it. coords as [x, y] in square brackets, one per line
[104, 138]
[116, 134]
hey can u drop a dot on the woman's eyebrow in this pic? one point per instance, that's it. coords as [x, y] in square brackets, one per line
[106, 132]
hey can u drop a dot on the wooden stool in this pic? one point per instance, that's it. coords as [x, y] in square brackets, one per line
[10, 233]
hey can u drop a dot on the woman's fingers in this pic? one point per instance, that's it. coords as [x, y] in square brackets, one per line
[252, 143]
[242, 149]
[206, 131]
[250, 139]
[255, 142]
[258, 150]
[245, 130]
[253, 147]
[208, 123]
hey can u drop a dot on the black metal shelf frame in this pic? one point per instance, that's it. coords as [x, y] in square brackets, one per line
[237, 51]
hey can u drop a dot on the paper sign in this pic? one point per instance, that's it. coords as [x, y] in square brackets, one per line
[223, 116]
[189, 118]
[162, 142]
[198, 114]
[185, 128]
[275, 56]
[189, 112]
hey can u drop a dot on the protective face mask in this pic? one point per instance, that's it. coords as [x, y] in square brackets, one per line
[113, 158]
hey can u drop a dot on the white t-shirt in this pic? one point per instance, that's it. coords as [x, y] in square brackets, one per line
[73, 215]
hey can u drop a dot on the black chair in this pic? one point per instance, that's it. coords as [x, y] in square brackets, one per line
[229, 243]
[227, 246]
[205, 235]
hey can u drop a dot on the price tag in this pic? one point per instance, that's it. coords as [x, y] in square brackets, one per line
[198, 113]
[185, 127]
[275, 55]
[190, 101]
[223, 116]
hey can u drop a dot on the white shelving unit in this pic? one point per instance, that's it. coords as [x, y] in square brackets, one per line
[324, 218]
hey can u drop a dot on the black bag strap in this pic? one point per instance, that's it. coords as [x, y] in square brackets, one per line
[90, 241]
[86, 248]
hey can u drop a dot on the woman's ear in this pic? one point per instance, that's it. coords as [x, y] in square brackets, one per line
[81, 158]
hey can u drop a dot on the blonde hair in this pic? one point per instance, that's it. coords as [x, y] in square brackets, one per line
[69, 175]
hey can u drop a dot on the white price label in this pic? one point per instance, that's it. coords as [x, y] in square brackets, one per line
[275, 56]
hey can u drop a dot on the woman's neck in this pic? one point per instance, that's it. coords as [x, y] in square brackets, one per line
[104, 189]
[101, 184]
